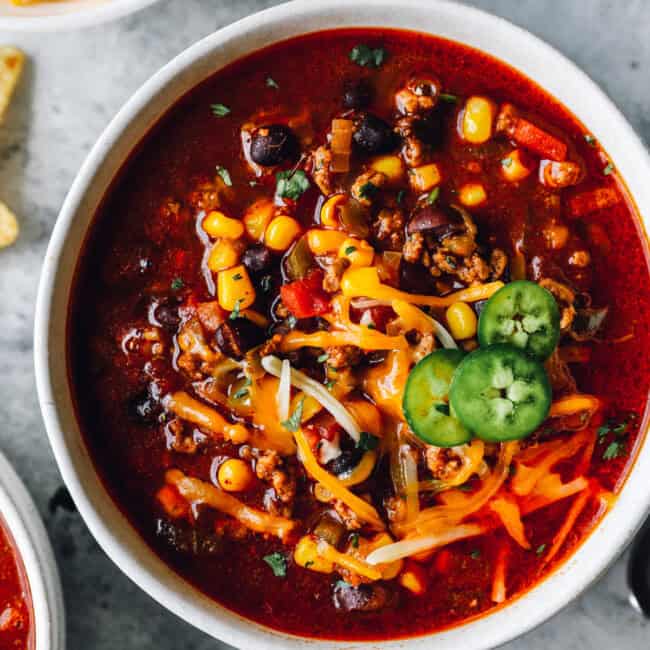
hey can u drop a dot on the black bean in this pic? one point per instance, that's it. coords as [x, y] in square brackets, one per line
[166, 313]
[143, 408]
[257, 258]
[429, 130]
[373, 135]
[273, 144]
[357, 93]
[347, 461]
[235, 337]
[415, 278]
[189, 541]
[364, 598]
[435, 220]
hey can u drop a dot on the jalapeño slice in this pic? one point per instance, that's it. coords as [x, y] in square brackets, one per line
[523, 314]
[500, 393]
[426, 401]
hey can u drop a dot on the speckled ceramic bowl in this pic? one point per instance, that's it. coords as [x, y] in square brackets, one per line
[458, 22]
[26, 528]
[64, 14]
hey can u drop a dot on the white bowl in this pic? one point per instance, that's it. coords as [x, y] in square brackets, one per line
[25, 526]
[66, 14]
[494, 35]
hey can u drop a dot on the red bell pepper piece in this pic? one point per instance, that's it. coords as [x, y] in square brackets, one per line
[538, 141]
[306, 298]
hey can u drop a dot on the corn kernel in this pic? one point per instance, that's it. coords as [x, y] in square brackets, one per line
[236, 433]
[217, 224]
[515, 166]
[257, 218]
[366, 414]
[235, 475]
[472, 194]
[425, 177]
[281, 232]
[358, 251]
[391, 166]
[478, 116]
[234, 288]
[323, 242]
[328, 213]
[414, 578]
[461, 320]
[306, 555]
[223, 256]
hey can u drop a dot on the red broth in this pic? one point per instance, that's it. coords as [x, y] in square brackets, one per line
[15, 600]
[132, 253]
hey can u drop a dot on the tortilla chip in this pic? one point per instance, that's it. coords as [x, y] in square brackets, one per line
[11, 67]
[8, 226]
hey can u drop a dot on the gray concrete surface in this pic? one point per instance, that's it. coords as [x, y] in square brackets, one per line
[73, 86]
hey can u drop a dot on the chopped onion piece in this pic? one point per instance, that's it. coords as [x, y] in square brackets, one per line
[407, 547]
[443, 335]
[300, 380]
[284, 391]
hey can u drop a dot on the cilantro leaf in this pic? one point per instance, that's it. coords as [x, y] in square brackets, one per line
[350, 249]
[177, 284]
[475, 554]
[540, 549]
[446, 97]
[219, 110]
[293, 423]
[400, 197]
[291, 184]
[367, 57]
[272, 83]
[614, 450]
[278, 564]
[609, 168]
[506, 162]
[367, 441]
[225, 175]
[322, 358]
[433, 195]
[368, 190]
[234, 314]
[354, 540]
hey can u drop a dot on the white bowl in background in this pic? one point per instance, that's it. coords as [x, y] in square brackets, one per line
[65, 14]
[24, 524]
[119, 539]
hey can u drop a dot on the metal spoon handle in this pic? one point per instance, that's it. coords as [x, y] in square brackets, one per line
[638, 571]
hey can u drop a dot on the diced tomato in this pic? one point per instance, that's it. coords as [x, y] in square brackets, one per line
[592, 201]
[325, 426]
[538, 141]
[306, 298]
[172, 502]
[442, 562]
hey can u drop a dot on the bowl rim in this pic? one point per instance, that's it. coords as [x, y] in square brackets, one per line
[541, 62]
[85, 16]
[32, 543]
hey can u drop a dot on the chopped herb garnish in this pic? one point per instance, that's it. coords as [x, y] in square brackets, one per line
[234, 314]
[367, 441]
[603, 430]
[590, 140]
[465, 487]
[506, 162]
[278, 564]
[609, 168]
[371, 326]
[177, 284]
[237, 276]
[400, 197]
[447, 97]
[271, 83]
[266, 283]
[220, 110]
[450, 261]
[350, 249]
[291, 184]
[330, 384]
[225, 175]
[309, 563]
[368, 190]
[540, 549]
[292, 321]
[367, 56]
[442, 408]
[475, 554]
[293, 423]
[614, 450]
[354, 540]
[341, 584]
[433, 195]
[242, 392]
[323, 358]
[620, 429]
